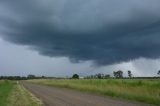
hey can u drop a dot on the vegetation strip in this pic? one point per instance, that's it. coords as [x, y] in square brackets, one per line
[146, 91]
[14, 94]
[22, 96]
[6, 87]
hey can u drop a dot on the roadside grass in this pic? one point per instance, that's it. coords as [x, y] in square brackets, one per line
[20, 96]
[14, 94]
[146, 91]
[6, 87]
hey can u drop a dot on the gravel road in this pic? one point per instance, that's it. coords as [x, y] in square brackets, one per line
[52, 96]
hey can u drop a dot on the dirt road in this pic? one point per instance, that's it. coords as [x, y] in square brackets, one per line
[63, 97]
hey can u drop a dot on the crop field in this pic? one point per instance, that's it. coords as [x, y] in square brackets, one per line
[146, 91]
[13, 94]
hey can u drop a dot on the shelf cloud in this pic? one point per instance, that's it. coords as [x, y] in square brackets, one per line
[102, 31]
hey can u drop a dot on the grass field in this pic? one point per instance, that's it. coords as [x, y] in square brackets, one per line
[13, 94]
[6, 88]
[147, 91]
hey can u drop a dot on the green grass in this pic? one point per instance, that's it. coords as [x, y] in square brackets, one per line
[6, 87]
[147, 91]
[14, 94]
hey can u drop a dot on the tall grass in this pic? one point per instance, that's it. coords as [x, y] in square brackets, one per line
[147, 91]
[6, 88]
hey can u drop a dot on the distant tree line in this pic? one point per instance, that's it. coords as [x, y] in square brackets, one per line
[21, 77]
[98, 76]
[117, 74]
[12, 78]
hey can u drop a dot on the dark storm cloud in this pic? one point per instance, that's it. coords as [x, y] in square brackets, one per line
[104, 31]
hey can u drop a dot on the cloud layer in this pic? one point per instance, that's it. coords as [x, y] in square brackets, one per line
[103, 31]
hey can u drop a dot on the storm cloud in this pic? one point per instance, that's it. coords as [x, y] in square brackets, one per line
[102, 31]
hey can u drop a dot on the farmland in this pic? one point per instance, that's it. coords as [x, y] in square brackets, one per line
[146, 91]
[13, 94]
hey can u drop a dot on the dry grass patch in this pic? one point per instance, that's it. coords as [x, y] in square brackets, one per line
[22, 97]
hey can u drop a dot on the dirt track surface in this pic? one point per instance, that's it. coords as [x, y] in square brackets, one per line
[52, 96]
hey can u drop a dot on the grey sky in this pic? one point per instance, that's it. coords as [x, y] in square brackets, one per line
[95, 34]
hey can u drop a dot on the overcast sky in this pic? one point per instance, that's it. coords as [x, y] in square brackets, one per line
[62, 37]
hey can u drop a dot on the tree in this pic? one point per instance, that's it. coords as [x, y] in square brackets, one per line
[99, 76]
[31, 76]
[129, 74]
[158, 72]
[75, 76]
[107, 76]
[114, 73]
[118, 74]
